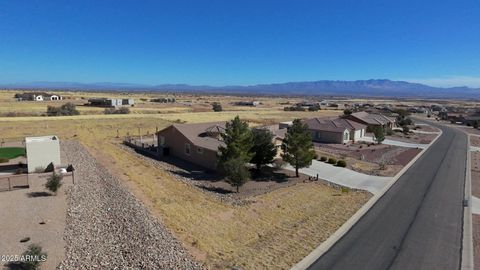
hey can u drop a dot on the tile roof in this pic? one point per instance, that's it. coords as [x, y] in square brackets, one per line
[333, 125]
[373, 119]
[206, 135]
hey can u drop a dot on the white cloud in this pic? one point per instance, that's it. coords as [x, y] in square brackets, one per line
[450, 81]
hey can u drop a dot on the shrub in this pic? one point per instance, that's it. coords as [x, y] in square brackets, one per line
[342, 163]
[4, 160]
[389, 131]
[406, 129]
[332, 160]
[37, 256]
[122, 110]
[323, 158]
[216, 107]
[65, 109]
[54, 182]
[345, 189]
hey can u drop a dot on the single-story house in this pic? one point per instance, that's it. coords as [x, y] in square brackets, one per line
[110, 102]
[337, 130]
[41, 151]
[372, 120]
[247, 103]
[37, 96]
[195, 143]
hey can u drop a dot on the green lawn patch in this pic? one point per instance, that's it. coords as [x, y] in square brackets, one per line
[11, 152]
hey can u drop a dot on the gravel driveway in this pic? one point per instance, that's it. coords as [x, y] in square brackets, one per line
[108, 228]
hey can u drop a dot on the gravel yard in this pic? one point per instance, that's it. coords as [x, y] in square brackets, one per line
[108, 228]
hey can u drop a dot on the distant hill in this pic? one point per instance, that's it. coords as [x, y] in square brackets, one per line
[365, 88]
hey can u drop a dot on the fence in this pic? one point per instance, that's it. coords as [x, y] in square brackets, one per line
[145, 147]
[11, 182]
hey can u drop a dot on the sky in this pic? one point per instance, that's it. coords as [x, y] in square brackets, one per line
[222, 42]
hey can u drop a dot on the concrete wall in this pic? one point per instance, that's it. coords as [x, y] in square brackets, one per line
[40, 153]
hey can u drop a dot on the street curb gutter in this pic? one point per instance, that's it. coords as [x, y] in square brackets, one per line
[337, 235]
[467, 244]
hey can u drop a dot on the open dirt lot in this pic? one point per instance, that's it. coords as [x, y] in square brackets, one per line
[274, 231]
[22, 212]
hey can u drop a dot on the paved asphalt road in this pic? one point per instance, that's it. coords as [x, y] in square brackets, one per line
[418, 223]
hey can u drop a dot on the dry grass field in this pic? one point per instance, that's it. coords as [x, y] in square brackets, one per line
[273, 232]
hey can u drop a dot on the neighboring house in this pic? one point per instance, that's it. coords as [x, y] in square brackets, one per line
[456, 117]
[471, 120]
[336, 130]
[195, 143]
[372, 120]
[247, 103]
[37, 96]
[41, 151]
[110, 102]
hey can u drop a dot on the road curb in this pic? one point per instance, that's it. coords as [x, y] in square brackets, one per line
[467, 237]
[337, 235]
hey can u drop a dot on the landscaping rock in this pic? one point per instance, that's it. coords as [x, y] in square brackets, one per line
[108, 228]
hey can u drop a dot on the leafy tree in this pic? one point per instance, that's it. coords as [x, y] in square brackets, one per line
[54, 182]
[264, 150]
[236, 171]
[379, 134]
[238, 141]
[216, 107]
[297, 146]
[475, 124]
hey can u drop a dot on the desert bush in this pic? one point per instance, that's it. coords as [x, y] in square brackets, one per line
[216, 107]
[405, 129]
[36, 255]
[122, 110]
[65, 109]
[323, 158]
[389, 131]
[345, 190]
[342, 163]
[332, 160]
[4, 160]
[54, 182]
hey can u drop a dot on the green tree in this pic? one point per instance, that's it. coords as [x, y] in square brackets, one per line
[238, 141]
[54, 182]
[236, 171]
[263, 149]
[379, 134]
[297, 146]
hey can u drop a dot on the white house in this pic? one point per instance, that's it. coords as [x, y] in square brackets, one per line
[41, 151]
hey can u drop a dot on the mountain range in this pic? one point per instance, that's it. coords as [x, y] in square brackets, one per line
[364, 88]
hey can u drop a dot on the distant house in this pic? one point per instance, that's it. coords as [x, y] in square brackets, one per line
[247, 103]
[37, 96]
[41, 151]
[372, 120]
[110, 102]
[336, 130]
[195, 143]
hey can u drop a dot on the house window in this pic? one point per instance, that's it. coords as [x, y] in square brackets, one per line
[345, 136]
[187, 149]
[200, 150]
[162, 140]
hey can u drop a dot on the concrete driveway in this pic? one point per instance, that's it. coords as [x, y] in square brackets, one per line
[396, 143]
[344, 177]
